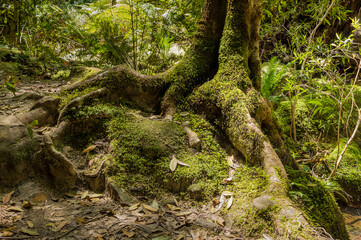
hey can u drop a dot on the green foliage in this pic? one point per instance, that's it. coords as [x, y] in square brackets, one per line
[271, 77]
[348, 174]
[145, 35]
[317, 202]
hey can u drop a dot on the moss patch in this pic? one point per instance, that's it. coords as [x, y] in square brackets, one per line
[249, 183]
[317, 202]
[302, 115]
[143, 149]
[348, 173]
[78, 74]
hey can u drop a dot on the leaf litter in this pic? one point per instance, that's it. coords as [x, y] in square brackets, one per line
[94, 215]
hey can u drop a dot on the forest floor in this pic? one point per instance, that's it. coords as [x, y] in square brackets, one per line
[33, 210]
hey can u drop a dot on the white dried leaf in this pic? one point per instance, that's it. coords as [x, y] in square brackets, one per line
[230, 201]
[182, 163]
[173, 163]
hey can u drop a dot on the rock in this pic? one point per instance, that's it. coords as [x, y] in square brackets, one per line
[195, 191]
[263, 202]
[118, 194]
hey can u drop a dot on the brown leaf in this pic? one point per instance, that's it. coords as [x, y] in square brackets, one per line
[88, 149]
[173, 163]
[135, 206]
[145, 206]
[220, 221]
[95, 195]
[180, 237]
[27, 204]
[30, 224]
[84, 195]
[60, 225]
[17, 218]
[15, 209]
[6, 234]
[173, 208]
[184, 213]
[29, 232]
[7, 197]
[128, 234]
[80, 220]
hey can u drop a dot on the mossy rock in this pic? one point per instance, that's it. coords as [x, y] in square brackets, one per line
[348, 174]
[302, 115]
[143, 148]
[317, 202]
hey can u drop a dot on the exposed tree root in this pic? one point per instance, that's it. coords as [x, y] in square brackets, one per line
[80, 100]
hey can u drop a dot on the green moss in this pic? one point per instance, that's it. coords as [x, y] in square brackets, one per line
[66, 96]
[348, 174]
[78, 74]
[249, 183]
[317, 202]
[302, 115]
[143, 149]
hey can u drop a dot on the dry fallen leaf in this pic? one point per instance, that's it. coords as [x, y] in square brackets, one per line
[29, 232]
[88, 149]
[227, 193]
[17, 218]
[155, 205]
[173, 208]
[173, 163]
[6, 233]
[7, 197]
[84, 194]
[27, 204]
[230, 161]
[51, 225]
[150, 208]
[135, 206]
[180, 237]
[230, 201]
[15, 209]
[95, 195]
[128, 234]
[220, 221]
[182, 163]
[184, 213]
[30, 224]
[80, 220]
[60, 225]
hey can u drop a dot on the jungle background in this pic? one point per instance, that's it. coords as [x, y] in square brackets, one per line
[311, 62]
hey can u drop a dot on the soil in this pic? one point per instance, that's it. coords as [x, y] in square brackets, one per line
[34, 210]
